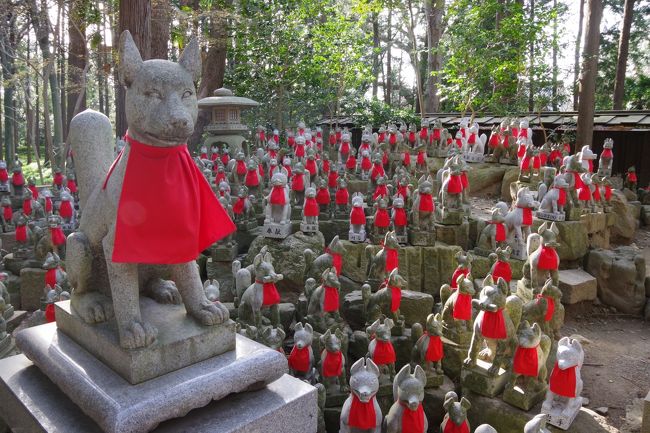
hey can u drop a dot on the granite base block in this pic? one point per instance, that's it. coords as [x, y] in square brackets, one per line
[119, 407]
[32, 403]
[181, 340]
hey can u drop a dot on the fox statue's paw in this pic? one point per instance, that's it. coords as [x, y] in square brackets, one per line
[92, 307]
[137, 334]
[163, 291]
[209, 313]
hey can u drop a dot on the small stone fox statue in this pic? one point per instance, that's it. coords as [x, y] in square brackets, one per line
[380, 349]
[428, 349]
[361, 412]
[385, 260]
[324, 302]
[332, 361]
[407, 415]
[387, 300]
[529, 362]
[273, 338]
[262, 293]
[456, 414]
[332, 257]
[301, 358]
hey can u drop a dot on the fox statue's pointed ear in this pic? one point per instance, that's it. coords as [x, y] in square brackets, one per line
[190, 59]
[130, 59]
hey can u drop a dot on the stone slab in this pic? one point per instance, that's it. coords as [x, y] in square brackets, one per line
[477, 379]
[32, 403]
[181, 340]
[645, 420]
[32, 285]
[15, 320]
[577, 286]
[119, 407]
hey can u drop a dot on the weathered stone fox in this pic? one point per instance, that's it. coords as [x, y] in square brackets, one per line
[161, 110]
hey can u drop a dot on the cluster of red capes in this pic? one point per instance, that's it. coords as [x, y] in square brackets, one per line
[169, 228]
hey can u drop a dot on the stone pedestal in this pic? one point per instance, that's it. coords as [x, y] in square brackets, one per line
[356, 237]
[577, 286]
[524, 398]
[32, 288]
[550, 216]
[421, 238]
[32, 403]
[15, 319]
[308, 228]
[457, 234]
[222, 272]
[115, 405]
[561, 418]
[275, 230]
[572, 213]
[476, 379]
[223, 253]
[473, 157]
[448, 216]
[246, 225]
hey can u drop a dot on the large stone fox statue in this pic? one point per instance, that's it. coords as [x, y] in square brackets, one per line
[147, 216]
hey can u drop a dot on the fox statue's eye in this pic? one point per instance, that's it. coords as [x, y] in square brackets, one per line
[154, 94]
[187, 94]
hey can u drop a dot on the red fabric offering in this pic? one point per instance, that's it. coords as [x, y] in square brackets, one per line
[463, 307]
[525, 163]
[550, 307]
[523, 133]
[311, 208]
[377, 170]
[288, 168]
[380, 190]
[502, 270]
[590, 165]
[278, 195]
[310, 166]
[543, 157]
[57, 179]
[239, 206]
[493, 325]
[384, 353]
[332, 364]
[392, 139]
[21, 233]
[471, 139]
[332, 177]
[7, 213]
[608, 192]
[384, 158]
[337, 261]
[399, 218]
[34, 191]
[366, 164]
[326, 166]
[323, 196]
[424, 133]
[345, 148]
[561, 201]
[48, 204]
[450, 427]
[241, 168]
[50, 277]
[526, 216]
[381, 218]
[299, 359]
[381, 137]
[494, 141]
[584, 193]
[72, 186]
[4, 175]
[577, 180]
[434, 349]
[421, 160]
[27, 207]
[464, 180]
[436, 133]
[525, 361]
[17, 179]
[563, 382]
[270, 295]
[395, 298]
[406, 159]
[50, 315]
[357, 216]
[607, 153]
[596, 193]
[351, 162]
[521, 151]
[500, 235]
[225, 158]
[58, 238]
[298, 182]
[188, 213]
[515, 132]
[252, 178]
[342, 196]
[555, 155]
[411, 137]
[300, 150]
[458, 272]
[412, 420]
[392, 259]
[362, 415]
[426, 203]
[548, 259]
[455, 184]
[331, 300]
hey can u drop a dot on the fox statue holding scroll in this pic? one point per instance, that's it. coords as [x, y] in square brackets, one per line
[132, 239]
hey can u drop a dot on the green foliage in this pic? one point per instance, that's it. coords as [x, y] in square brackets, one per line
[373, 112]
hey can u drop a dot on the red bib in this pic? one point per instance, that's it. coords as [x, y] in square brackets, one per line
[561, 201]
[607, 153]
[4, 175]
[550, 307]
[548, 259]
[252, 178]
[493, 325]
[188, 213]
[326, 166]
[345, 148]
[48, 204]
[58, 238]
[500, 231]
[463, 307]
[424, 133]
[343, 197]
[426, 203]
[596, 193]
[50, 277]
[241, 168]
[525, 361]
[239, 206]
[18, 179]
[399, 217]
[27, 207]
[436, 134]
[300, 150]
[298, 182]
[270, 295]
[310, 166]
[411, 137]
[406, 159]
[381, 218]
[351, 163]
[526, 216]
[299, 359]
[362, 415]
[502, 270]
[377, 170]
[7, 213]
[584, 193]
[392, 259]
[323, 196]
[357, 216]
[34, 190]
[450, 427]
[395, 298]
[65, 210]
[332, 364]
[331, 299]
[577, 180]
[494, 141]
[434, 349]
[332, 177]
[337, 261]
[458, 272]
[563, 382]
[21, 233]
[471, 139]
[277, 195]
[50, 315]
[384, 353]
[421, 159]
[455, 184]
[311, 207]
[412, 420]
[366, 164]
[380, 190]
[608, 192]
[392, 139]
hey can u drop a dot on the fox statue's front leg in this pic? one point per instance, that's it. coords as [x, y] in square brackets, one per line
[187, 279]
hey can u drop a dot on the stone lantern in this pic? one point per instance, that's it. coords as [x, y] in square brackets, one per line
[225, 120]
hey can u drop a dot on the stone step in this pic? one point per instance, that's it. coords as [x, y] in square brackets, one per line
[577, 286]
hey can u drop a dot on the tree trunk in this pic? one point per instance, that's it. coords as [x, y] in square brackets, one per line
[160, 21]
[7, 58]
[135, 16]
[623, 49]
[389, 72]
[589, 68]
[60, 54]
[415, 59]
[376, 48]
[531, 64]
[434, 11]
[576, 59]
[76, 57]
[555, 68]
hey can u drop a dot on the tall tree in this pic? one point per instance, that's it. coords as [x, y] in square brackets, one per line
[7, 59]
[376, 54]
[135, 16]
[76, 57]
[531, 60]
[576, 55]
[589, 68]
[623, 50]
[435, 11]
[161, 16]
[388, 85]
[554, 91]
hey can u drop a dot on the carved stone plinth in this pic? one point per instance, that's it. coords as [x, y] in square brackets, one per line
[246, 225]
[473, 157]
[442, 152]
[448, 216]
[403, 239]
[296, 212]
[524, 397]
[482, 252]
[356, 237]
[573, 213]
[422, 238]
[181, 340]
[477, 379]
[561, 416]
[6, 345]
[550, 216]
[434, 380]
[308, 227]
[508, 161]
[518, 250]
[275, 230]
[5, 188]
[223, 253]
